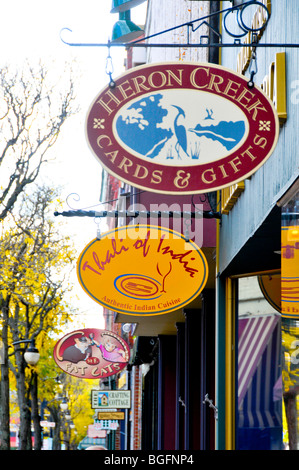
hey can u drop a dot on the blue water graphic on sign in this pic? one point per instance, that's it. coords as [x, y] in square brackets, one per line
[153, 126]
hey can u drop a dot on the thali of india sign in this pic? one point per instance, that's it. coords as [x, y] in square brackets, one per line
[182, 128]
[135, 270]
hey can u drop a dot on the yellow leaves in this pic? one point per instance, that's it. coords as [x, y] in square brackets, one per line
[29, 241]
[290, 347]
[3, 293]
[287, 382]
[41, 339]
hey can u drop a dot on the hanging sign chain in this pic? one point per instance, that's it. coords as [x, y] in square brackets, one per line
[253, 64]
[187, 224]
[109, 68]
[99, 234]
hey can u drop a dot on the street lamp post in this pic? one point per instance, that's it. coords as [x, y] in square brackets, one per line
[58, 415]
[63, 404]
[66, 429]
[62, 418]
[31, 354]
[31, 357]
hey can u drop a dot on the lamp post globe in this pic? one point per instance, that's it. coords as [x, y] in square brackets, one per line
[63, 404]
[32, 355]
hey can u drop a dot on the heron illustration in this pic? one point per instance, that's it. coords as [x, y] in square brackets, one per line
[209, 114]
[180, 132]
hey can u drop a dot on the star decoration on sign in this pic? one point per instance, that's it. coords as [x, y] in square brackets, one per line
[265, 126]
[98, 123]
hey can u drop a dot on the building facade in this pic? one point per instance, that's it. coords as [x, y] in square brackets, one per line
[194, 388]
[250, 236]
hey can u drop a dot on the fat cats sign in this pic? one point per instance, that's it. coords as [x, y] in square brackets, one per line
[182, 128]
[91, 353]
[142, 270]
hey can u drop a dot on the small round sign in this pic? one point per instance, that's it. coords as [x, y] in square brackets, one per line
[135, 270]
[182, 128]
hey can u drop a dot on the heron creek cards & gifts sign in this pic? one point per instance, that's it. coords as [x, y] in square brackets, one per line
[142, 270]
[182, 128]
[90, 353]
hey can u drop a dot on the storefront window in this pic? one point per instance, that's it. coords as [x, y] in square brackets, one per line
[259, 417]
[290, 320]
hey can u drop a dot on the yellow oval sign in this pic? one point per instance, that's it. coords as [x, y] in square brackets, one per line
[142, 270]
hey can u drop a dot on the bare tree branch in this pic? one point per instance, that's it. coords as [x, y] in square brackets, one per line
[34, 111]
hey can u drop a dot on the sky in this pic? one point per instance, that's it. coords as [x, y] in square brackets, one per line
[32, 30]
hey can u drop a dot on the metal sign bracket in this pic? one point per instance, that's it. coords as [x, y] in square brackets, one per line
[238, 10]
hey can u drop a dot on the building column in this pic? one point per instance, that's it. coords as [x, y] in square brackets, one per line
[192, 379]
[180, 387]
[136, 390]
[149, 409]
[226, 366]
[166, 392]
[207, 370]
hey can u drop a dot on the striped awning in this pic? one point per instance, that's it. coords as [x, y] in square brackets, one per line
[259, 358]
[89, 441]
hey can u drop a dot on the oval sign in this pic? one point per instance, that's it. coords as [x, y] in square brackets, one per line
[182, 128]
[91, 353]
[135, 270]
[270, 285]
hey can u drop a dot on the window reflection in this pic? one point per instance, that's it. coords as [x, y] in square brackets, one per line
[290, 320]
[259, 363]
